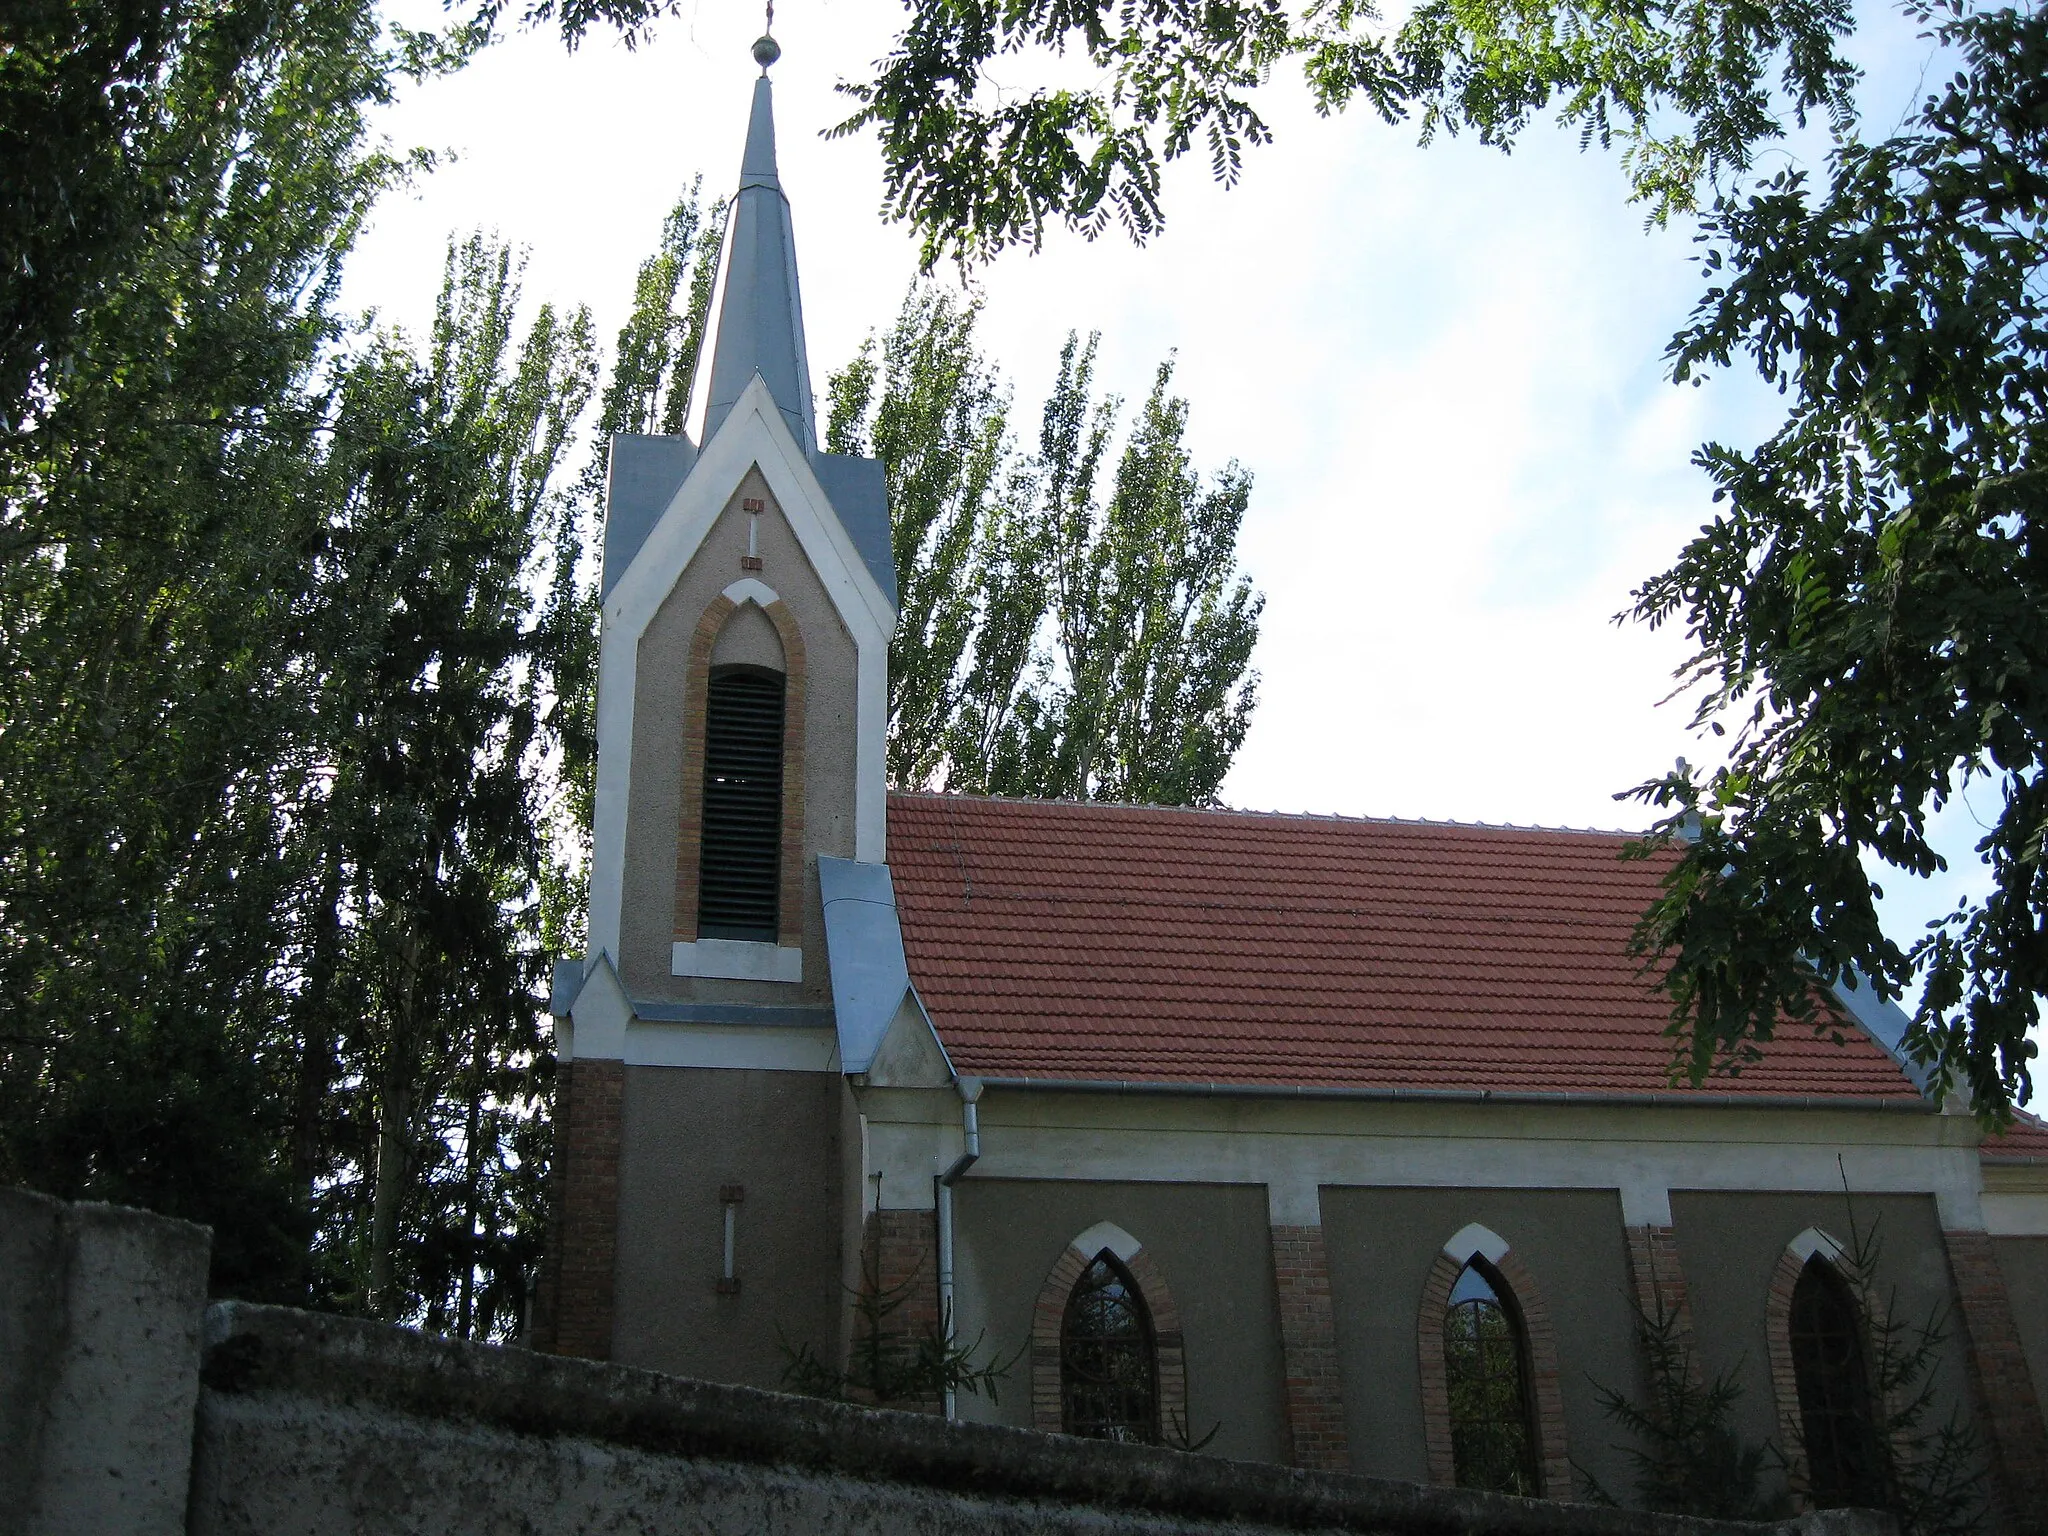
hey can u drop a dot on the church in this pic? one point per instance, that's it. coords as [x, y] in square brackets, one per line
[1336, 1143]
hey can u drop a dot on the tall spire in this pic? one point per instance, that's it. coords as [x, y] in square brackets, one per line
[759, 325]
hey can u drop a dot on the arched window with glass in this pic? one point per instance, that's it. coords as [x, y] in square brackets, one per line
[1109, 1357]
[1828, 1365]
[1486, 1373]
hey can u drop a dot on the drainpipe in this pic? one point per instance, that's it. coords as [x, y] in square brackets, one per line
[970, 1137]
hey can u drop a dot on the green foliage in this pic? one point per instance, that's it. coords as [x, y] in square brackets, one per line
[162, 511]
[654, 363]
[1053, 642]
[1685, 1451]
[432, 692]
[1870, 606]
[1689, 88]
[889, 1365]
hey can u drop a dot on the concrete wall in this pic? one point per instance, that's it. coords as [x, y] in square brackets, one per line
[1730, 1245]
[318, 1426]
[647, 915]
[1211, 1241]
[1381, 1244]
[114, 1422]
[100, 1313]
[689, 1132]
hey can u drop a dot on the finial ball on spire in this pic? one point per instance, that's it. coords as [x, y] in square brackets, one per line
[766, 51]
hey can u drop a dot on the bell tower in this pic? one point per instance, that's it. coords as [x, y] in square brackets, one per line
[748, 596]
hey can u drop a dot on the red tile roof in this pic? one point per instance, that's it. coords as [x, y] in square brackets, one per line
[2024, 1141]
[1123, 943]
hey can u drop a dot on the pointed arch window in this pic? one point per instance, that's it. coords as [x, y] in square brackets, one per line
[1828, 1366]
[1109, 1357]
[1486, 1371]
[739, 880]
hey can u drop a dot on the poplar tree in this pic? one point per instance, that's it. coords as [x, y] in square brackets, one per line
[1059, 636]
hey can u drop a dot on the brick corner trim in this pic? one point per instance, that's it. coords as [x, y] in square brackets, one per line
[1553, 1458]
[1314, 1399]
[1169, 1348]
[2007, 1400]
[902, 1261]
[577, 1316]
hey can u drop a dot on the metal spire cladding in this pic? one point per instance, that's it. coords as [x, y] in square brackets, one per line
[759, 325]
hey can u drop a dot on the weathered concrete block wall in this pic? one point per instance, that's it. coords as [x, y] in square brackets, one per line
[114, 1421]
[317, 1426]
[100, 1315]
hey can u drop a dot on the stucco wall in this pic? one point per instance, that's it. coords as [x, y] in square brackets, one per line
[1381, 1244]
[2024, 1263]
[1211, 1241]
[1730, 1245]
[688, 1132]
[647, 915]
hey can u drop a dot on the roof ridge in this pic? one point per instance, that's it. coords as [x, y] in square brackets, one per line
[1273, 815]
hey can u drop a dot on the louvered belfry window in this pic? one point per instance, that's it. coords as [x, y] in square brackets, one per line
[739, 879]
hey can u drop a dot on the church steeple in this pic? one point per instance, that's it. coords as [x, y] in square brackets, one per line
[759, 318]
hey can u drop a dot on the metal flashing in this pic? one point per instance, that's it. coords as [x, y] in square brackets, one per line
[864, 950]
[1884, 1021]
[642, 477]
[758, 1015]
[859, 493]
[567, 982]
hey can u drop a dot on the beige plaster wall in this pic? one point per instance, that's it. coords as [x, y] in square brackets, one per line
[1381, 1244]
[1730, 1244]
[689, 1131]
[1210, 1240]
[749, 639]
[2024, 1262]
[647, 915]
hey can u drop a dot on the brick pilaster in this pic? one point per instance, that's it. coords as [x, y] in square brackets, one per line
[2004, 1387]
[1660, 1287]
[578, 1314]
[1659, 1277]
[902, 1263]
[1308, 1345]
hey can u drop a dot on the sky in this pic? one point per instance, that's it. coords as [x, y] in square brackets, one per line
[1443, 367]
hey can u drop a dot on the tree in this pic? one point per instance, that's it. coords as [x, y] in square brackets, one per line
[1688, 88]
[162, 503]
[1870, 606]
[432, 700]
[1051, 642]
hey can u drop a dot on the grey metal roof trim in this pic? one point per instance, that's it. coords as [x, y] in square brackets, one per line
[859, 492]
[1678, 1100]
[864, 943]
[1885, 1022]
[644, 475]
[760, 1015]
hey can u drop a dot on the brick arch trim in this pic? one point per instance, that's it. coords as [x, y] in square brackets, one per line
[1553, 1458]
[690, 820]
[1051, 1311]
[1778, 1336]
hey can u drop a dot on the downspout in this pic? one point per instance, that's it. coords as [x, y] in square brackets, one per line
[970, 1150]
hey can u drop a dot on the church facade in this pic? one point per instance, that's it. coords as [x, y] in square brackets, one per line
[1344, 1144]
